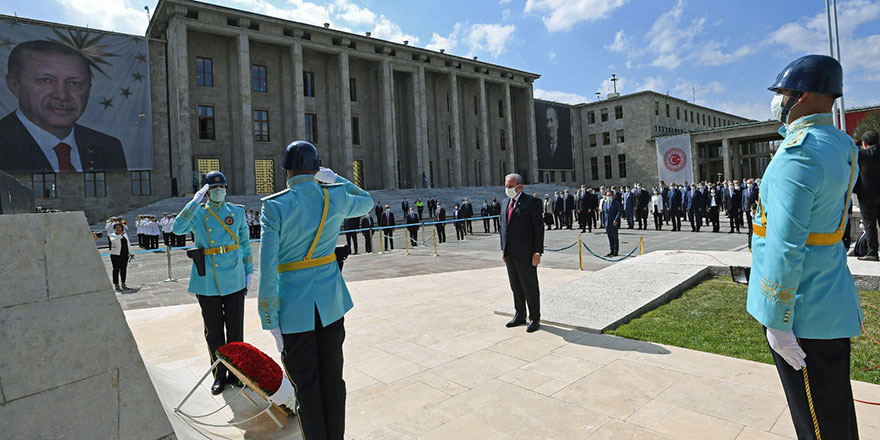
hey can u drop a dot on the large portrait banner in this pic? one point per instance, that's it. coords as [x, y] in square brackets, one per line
[553, 135]
[73, 100]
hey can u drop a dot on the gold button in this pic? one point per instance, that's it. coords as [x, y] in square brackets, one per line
[785, 295]
[212, 241]
[215, 265]
[209, 229]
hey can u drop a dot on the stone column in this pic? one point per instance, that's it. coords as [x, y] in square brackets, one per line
[347, 168]
[287, 100]
[725, 154]
[456, 130]
[246, 123]
[178, 84]
[508, 130]
[532, 141]
[484, 136]
[737, 160]
[421, 99]
[386, 82]
[299, 104]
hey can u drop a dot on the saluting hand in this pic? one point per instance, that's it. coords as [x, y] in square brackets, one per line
[200, 195]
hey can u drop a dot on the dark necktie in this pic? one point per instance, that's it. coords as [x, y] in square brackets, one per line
[62, 151]
[510, 209]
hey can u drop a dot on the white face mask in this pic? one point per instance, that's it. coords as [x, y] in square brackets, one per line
[777, 109]
[730, 188]
[511, 192]
[217, 195]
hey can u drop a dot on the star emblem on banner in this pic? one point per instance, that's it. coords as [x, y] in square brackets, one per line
[107, 102]
[137, 76]
[142, 58]
[126, 92]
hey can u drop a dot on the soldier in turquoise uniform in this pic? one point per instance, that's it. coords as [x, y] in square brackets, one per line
[221, 232]
[800, 288]
[302, 296]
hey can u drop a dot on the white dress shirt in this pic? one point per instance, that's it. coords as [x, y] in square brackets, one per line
[47, 142]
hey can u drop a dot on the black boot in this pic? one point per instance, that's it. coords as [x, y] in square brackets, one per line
[219, 384]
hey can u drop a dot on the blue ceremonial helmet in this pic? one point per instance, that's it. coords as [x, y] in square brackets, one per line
[214, 178]
[811, 73]
[301, 155]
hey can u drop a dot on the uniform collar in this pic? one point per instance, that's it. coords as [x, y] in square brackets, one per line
[806, 122]
[300, 179]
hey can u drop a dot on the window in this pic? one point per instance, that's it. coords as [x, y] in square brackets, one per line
[43, 185]
[477, 136]
[656, 108]
[667, 110]
[594, 168]
[206, 122]
[607, 167]
[685, 116]
[692, 116]
[205, 166]
[355, 130]
[261, 125]
[677, 113]
[95, 185]
[448, 107]
[593, 140]
[309, 84]
[620, 138]
[448, 136]
[264, 172]
[352, 89]
[500, 108]
[591, 117]
[204, 72]
[503, 140]
[140, 183]
[258, 76]
[311, 127]
[606, 138]
[618, 112]
[621, 165]
[476, 106]
[704, 119]
[604, 115]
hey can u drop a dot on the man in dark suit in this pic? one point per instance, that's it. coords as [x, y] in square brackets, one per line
[594, 206]
[713, 205]
[558, 209]
[468, 209]
[750, 200]
[495, 209]
[613, 214]
[378, 210]
[628, 206]
[522, 244]
[412, 219]
[568, 210]
[733, 206]
[42, 134]
[367, 222]
[696, 209]
[580, 205]
[675, 199]
[350, 225]
[404, 207]
[664, 192]
[387, 219]
[458, 214]
[643, 204]
[432, 206]
[868, 189]
[440, 216]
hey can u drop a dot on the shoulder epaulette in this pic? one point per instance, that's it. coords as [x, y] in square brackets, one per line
[329, 185]
[796, 140]
[276, 194]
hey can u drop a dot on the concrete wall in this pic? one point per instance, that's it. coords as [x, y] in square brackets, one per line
[70, 367]
[15, 198]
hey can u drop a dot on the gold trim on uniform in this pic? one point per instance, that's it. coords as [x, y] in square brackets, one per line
[776, 293]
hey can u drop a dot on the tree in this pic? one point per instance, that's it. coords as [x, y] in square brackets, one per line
[871, 122]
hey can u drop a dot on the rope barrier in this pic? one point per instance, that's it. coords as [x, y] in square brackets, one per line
[610, 259]
[562, 248]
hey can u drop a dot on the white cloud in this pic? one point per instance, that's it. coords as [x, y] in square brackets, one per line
[608, 86]
[552, 55]
[562, 15]
[668, 60]
[353, 13]
[621, 43]
[491, 39]
[505, 15]
[654, 83]
[688, 89]
[755, 109]
[565, 97]
[503, 2]
[387, 30]
[115, 15]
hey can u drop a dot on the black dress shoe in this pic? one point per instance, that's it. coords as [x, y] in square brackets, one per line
[233, 381]
[533, 326]
[869, 258]
[515, 322]
[218, 386]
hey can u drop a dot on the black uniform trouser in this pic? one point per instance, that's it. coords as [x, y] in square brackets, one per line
[523, 279]
[658, 219]
[441, 233]
[641, 222]
[828, 364]
[154, 240]
[582, 219]
[470, 227]
[459, 230]
[486, 225]
[120, 266]
[313, 361]
[219, 313]
[869, 218]
[413, 236]
[713, 217]
[420, 209]
[352, 237]
[166, 238]
[749, 219]
[496, 223]
[613, 239]
[368, 242]
[676, 220]
[388, 233]
[734, 224]
[696, 220]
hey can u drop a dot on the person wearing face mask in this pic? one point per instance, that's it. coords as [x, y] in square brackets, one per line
[522, 244]
[657, 209]
[643, 202]
[484, 212]
[733, 206]
[458, 215]
[713, 205]
[750, 201]
[440, 216]
[613, 216]
[695, 208]
[800, 288]
[221, 233]
[675, 204]
[387, 219]
[412, 219]
[548, 212]
[558, 209]
[568, 210]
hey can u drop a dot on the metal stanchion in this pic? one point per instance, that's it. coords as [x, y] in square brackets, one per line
[381, 241]
[170, 278]
[434, 234]
[580, 253]
[642, 245]
[406, 237]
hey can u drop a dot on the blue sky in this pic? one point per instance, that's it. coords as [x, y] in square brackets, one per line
[723, 52]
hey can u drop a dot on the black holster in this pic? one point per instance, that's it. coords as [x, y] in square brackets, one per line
[342, 252]
[198, 257]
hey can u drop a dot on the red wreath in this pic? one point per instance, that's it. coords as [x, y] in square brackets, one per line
[253, 363]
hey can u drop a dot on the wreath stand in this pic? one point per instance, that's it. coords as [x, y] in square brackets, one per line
[247, 383]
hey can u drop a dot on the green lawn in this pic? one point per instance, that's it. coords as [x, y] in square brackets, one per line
[712, 317]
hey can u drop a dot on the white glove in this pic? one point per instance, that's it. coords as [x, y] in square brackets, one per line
[247, 280]
[200, 195]
[785, 344]
[279, 340]
[325, 175]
